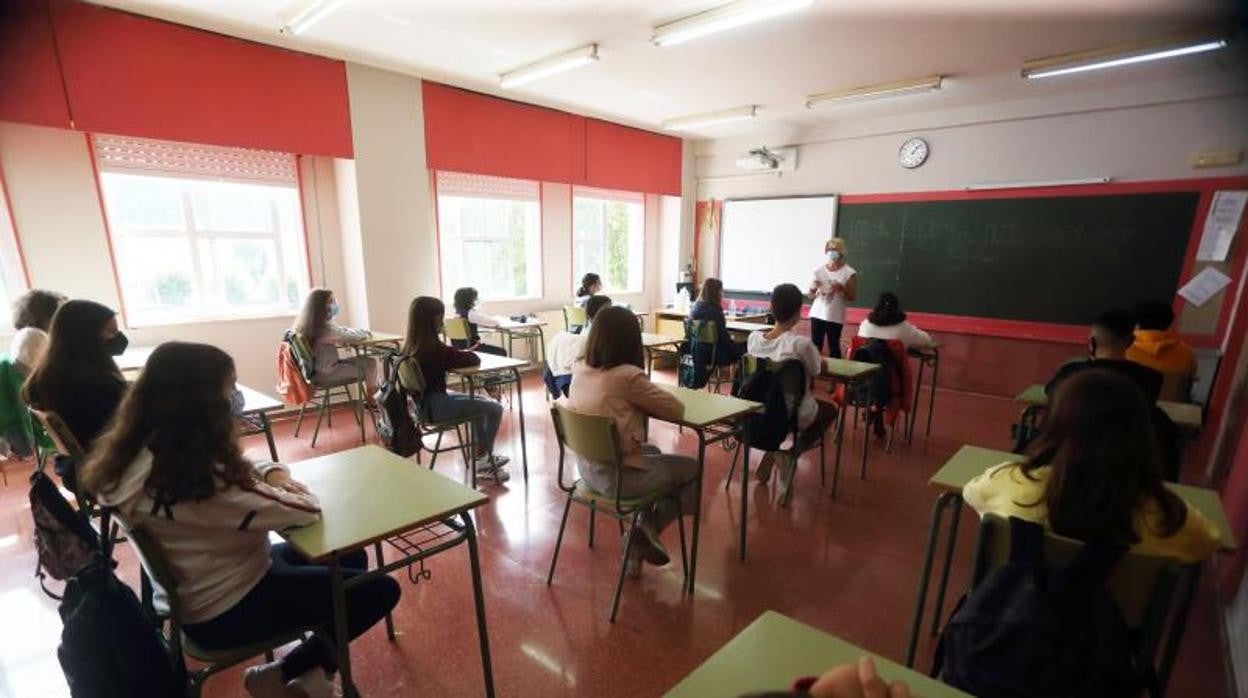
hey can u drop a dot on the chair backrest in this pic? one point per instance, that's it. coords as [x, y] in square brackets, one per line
[1142, 585]
[791, 374]
[589, 436]
[574, 316]
[62, 438]
[412, 380]
[702, 330]
[902, 381]
[304, 355]
[457, 329]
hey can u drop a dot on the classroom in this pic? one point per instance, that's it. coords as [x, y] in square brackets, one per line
[695, 348]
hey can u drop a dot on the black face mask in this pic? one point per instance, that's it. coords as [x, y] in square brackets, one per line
[116, 345]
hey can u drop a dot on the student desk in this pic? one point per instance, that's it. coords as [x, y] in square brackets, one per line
[493, 364]
[703, 413]
[531, 330]
[969, 462]
[847, 373]
[1185, 416]
[671, 321]
[926, 356]
[369, 495]
[774, 650]
[375, 344]
[657, 343]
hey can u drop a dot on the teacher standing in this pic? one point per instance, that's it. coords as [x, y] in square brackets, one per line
[835, 284]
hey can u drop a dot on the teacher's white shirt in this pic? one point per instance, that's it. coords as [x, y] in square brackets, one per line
[830, 308]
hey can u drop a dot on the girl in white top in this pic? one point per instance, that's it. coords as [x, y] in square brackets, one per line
[833, 285]
[887, 321]
[32, 315]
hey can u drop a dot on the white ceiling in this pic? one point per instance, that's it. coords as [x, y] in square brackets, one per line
[835, 44]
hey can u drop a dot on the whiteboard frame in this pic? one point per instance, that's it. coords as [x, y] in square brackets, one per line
[719, 247]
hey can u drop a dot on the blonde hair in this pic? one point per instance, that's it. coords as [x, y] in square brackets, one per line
[837, 244]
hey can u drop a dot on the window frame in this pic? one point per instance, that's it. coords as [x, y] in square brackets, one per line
[194, 236]
[609, 196]
[441, 245]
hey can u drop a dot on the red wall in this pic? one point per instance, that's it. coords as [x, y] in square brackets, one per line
[31, 90]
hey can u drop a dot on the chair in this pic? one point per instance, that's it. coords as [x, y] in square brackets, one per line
[457, 329]
[1142, 585]
[156, 568]
[793, 382]
[412, 380]
[574, 318]
[305, 356]
[703, 333]
[593, 438]
[901, 384]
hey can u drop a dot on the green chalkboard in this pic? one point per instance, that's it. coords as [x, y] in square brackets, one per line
[1045, 259]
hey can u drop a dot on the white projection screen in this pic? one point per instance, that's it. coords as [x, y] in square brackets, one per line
[765, 242]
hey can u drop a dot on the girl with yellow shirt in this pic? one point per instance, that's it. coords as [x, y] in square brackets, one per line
[1094, 473]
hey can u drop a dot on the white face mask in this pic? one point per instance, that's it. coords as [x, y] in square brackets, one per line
[834, 256]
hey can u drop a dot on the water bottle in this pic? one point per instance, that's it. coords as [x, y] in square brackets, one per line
[732, 307]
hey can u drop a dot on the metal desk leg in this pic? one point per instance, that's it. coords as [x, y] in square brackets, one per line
[524, 447]
[1175, 637]
[914, 403]
[840, 442]
[939, 608]
[268, 435]
[931, 396]
[925, 576]
[381, 563]
[472, 430]
[479, 599]
[745, 491]
[697, 519]
[341, 642]
[867, 435]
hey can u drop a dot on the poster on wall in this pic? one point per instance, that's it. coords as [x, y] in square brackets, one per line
[1225, 214]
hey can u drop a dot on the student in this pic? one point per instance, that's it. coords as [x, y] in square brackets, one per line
[591, 285]
[424, 320]
[709, 307]
[834, 285]
[1160, 349]
[171, 465]
[32, 316]
[887, 321]
[78, 378]
[783, 343]
[569, 347]
[315, 324]
[466, 308]
[1095, 473]
[612, 382]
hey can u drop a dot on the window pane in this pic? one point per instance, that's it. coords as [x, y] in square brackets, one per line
[160, 275]
[609, 240]
[490, 243]
[136, 202]
[235, 207]
[242, 272]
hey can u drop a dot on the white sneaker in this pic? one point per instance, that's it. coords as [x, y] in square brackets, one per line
[313, 684]
[492, 466]
[265, 681]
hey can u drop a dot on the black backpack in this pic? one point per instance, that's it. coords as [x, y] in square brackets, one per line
[877, 390]
[695, 354]
[65, 542]
[768, 429]
[1032, 630]
[394, 421]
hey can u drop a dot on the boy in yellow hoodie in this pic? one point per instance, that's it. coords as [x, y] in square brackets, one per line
[1158, 348]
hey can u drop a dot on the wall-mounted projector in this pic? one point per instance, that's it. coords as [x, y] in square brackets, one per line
[769, 160]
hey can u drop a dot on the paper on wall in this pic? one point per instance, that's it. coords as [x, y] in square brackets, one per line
[1204, 286]
[1220, 225]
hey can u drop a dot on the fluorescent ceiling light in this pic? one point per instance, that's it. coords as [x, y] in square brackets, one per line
[717, 117]
[722, 18]
[1119, 56]
[311, 13]
[1021, 184]
[549, 66]
[888, 89]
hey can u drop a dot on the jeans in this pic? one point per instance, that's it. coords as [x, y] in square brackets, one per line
[819, 329]
[557, 386]
[663, 469]
[295, 594]
[486, 414]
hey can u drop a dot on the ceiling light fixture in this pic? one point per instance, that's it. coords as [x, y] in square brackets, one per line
[311, 13]
[685, 123]
[1117, 56]
[549, 66]
[722, 18]
[888, 89]
[1036, 183]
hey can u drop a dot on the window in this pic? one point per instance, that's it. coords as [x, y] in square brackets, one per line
[608, 238]
[490, 235]
[201, 232]
[12, 278]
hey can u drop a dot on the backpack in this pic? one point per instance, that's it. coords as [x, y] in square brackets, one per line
[1032, 630]
[109, 648]
[692, 372]
[395, 425]
[303, 353]
[65, 542]
[877, 390]
[768, 429]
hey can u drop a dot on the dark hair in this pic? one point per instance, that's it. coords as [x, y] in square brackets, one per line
[35, 308]
[712, 292]
[887, 311]
[588, 281]
[1117, 325]
[465, 300]
[180, 411]
[314, 317]
[595, 305]
[1154, 315]
[424, 321]
[786, 302]
[76, 359]
[1104, 461]
[614, 340]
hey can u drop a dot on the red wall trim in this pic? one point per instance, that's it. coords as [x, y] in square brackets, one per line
[988, 327]
[33, 91]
